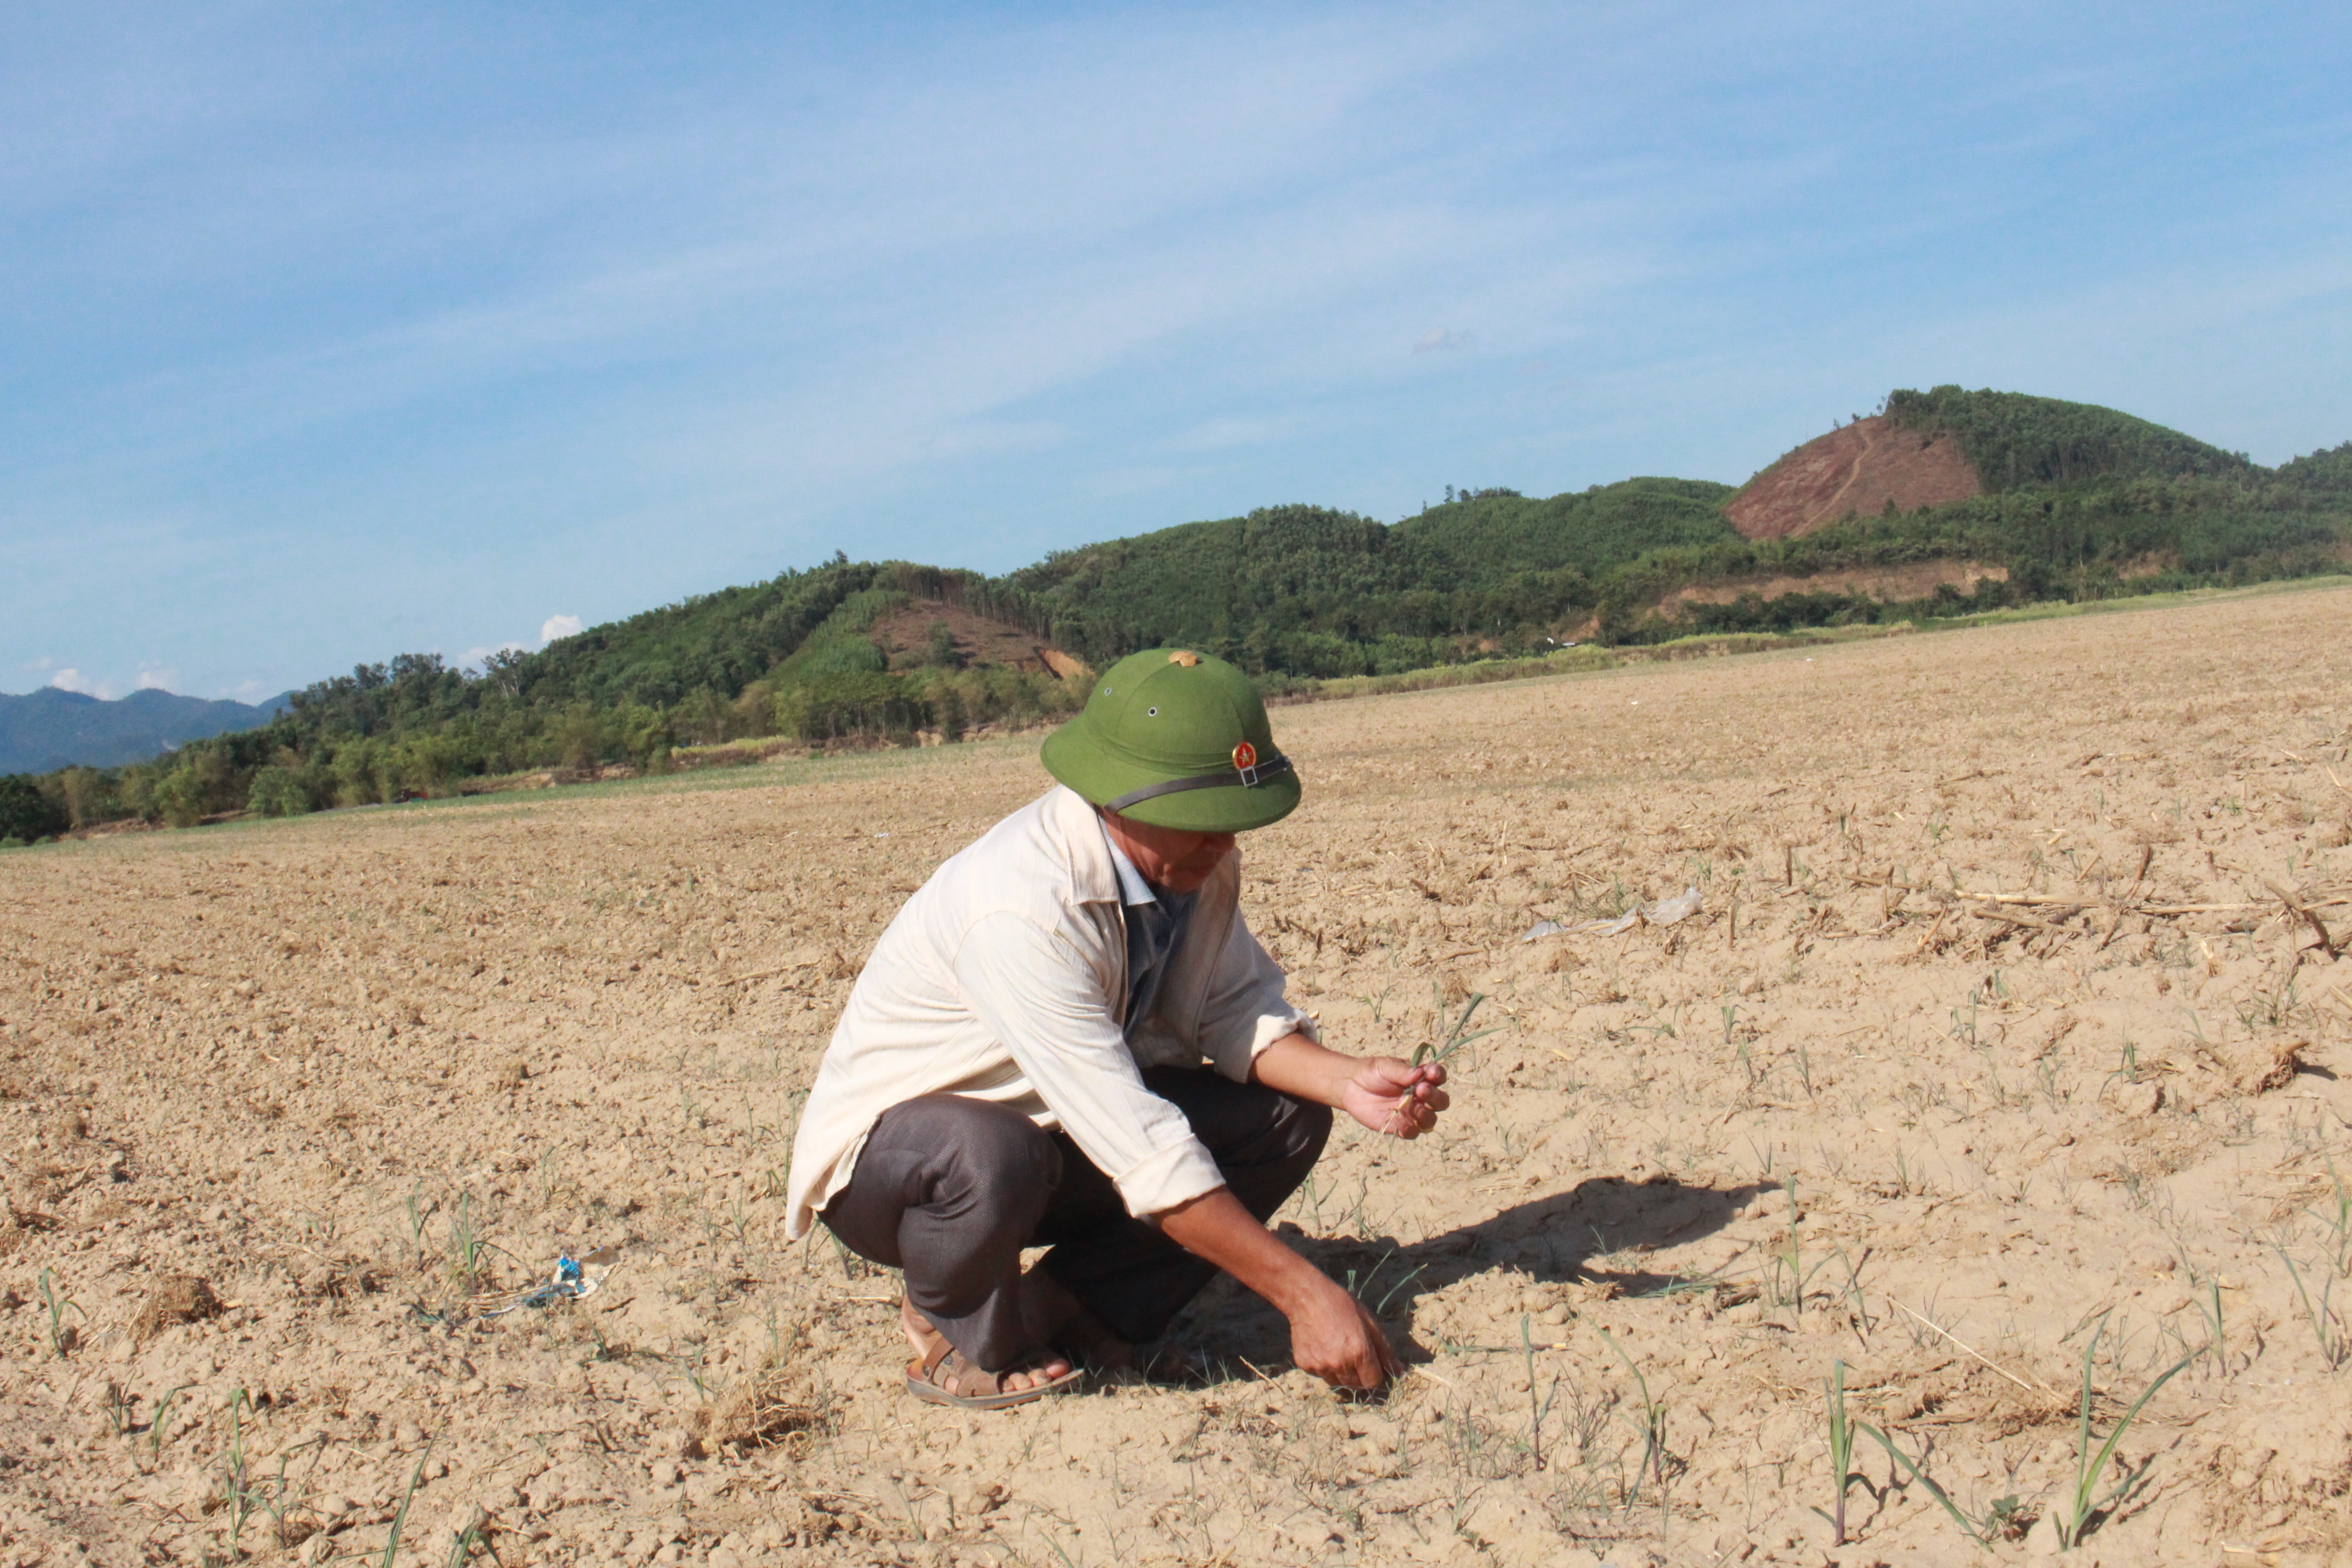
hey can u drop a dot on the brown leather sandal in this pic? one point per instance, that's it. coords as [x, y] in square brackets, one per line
[943, 1378]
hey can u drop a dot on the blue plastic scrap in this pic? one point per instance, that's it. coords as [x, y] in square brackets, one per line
[571, 1280]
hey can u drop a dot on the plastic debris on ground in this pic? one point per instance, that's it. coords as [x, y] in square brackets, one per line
[1662, 913]
[573, 1279]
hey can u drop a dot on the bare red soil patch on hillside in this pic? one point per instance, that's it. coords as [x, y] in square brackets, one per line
[1858, 467]
[978, 639]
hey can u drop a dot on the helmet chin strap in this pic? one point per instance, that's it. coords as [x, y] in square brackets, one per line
[1248, 778]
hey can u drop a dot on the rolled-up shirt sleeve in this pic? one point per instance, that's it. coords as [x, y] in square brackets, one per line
[1038, 996]
[1245, 1011]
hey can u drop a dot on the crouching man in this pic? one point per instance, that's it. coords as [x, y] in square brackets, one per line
[1068, 1038]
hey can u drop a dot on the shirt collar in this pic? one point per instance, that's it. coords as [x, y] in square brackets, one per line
[1133, 888]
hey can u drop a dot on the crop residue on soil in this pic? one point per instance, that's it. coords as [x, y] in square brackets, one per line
[2006, 1027]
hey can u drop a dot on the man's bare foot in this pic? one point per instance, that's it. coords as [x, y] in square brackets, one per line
[929, 1343]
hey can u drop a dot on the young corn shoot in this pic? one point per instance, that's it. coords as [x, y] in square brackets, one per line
[2079, 1505]
[1842, 1474]
[400, 1519]
[63, 1336]
[2324, 1325]
[1976, 1530]
[1428, 1054]
[1653, 1428]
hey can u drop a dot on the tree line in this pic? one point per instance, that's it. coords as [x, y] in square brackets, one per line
[2082, 502]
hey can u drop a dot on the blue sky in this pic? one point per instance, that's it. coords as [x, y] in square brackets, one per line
[329, 332]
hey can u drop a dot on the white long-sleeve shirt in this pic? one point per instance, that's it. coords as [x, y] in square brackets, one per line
[1004, 978]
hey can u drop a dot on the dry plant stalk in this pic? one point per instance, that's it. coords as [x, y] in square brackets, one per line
[765, 1410]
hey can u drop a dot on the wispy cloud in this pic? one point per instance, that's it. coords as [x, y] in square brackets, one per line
[557, 626]
[1227, 432]
[396, 334]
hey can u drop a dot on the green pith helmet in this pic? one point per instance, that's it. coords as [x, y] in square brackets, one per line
[1179, 739]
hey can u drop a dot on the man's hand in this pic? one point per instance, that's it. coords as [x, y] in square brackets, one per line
[1331, 1335]
[1387, 1095]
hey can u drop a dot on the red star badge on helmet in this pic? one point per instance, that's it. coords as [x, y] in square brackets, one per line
[1244, 757]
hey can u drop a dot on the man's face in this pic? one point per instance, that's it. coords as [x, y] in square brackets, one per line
[1169, 857]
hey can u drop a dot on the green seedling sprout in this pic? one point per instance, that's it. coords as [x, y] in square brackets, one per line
[1842, 1474]
[62, 1335]
[2079, 1504]
[1455, 1038]
[1427, 1053]
[400, 1519]
[1535, 1407]
[1652, 1427]
[1997, 1519]
[155, 1427]
[461, 1547]
[2323, 1326]
[2338, 1224]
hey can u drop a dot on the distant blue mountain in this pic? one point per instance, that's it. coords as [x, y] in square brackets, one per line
[53, 728]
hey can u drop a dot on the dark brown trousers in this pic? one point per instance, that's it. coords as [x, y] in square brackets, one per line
[950, 1190]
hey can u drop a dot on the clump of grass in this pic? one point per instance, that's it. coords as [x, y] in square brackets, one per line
[463, 1543]
[1538, 1406]
[234, 1495]
[2208, 1307]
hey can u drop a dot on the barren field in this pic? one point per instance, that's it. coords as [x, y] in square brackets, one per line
[2002, 1054]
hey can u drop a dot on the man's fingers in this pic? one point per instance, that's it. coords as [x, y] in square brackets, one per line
[1390, 1364]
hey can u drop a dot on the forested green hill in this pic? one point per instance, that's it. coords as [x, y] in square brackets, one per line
[2017, 441]
[1303, 590]
[2082, 502]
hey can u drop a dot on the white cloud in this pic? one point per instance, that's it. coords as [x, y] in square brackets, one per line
[1443, 340]
[473, 657]
[559, 627]
[68, 678]
[158, 677]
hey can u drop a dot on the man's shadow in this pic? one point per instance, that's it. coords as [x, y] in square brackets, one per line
[1553, 1238]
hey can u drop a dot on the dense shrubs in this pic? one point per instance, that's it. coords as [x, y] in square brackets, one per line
[27, 812]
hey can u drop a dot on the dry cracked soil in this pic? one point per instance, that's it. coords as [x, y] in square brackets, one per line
[1997, 1071]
